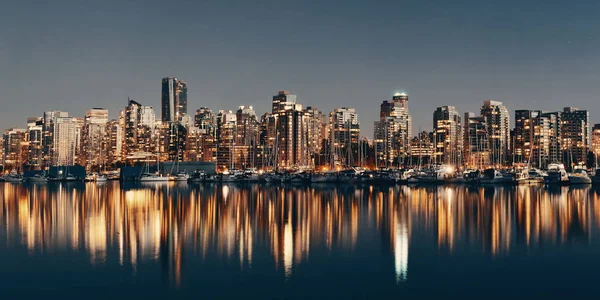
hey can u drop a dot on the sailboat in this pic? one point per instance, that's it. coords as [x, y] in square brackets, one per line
[153, 177]
[579, 176]
[38, 178]
[14, 177]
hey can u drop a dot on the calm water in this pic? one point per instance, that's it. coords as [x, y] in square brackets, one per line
[207, 241]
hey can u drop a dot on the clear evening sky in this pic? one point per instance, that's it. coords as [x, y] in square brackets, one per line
[74, 55]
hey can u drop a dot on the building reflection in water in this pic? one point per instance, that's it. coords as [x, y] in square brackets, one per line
[167, 223]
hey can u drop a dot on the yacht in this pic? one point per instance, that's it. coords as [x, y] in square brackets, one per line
[327, 177]
[580, 176]
[529, 176]
[556, 175]
[180, 176]
[472, 176]
[272, 178]
[40, 177]
[153, 177]
[101, 178]
[494, 176]
[251, 175]
[596, 177]
[14, 177]
[232, 176]
[197, 176]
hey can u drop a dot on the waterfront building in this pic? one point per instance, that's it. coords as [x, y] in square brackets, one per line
[93, 138]
[575, 136]
[447, 131]
[344, 129]
[497, 121]
[66, 140]
[35, 134]
[226, 127]
[173, 99]
[476, 151]
[48, 135]
[393, 132]
[596, 142]
[13, 156]
[114, 142]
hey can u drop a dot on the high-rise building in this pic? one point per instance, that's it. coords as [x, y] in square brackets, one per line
[344, 129]
[447, 132]
[93, 138]
[66, 136]
[226, 126]
[536, 138]
[48, 135]
[393, 131]
[138, 130]
[575, 133]
[247, 137]
[476, 151]
[289, 136]
[497, 121]
[13, 155]
[206, 122]
[422, 149]
[596, 142]
[114, 142]
[173, 99]
[35, 133]
[316, 131]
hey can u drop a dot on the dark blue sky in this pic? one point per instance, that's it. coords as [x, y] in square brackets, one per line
[73, 55]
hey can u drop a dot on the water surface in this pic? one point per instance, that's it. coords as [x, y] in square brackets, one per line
[262, 241]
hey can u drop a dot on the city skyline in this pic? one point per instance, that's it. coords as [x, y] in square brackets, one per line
[526, 55]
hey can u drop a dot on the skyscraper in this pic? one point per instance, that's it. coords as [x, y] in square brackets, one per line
[13, 156]
[289, 136]
[35, 133]
[476, 151]
[344, 129]
[48, 134]
[497, 121]
[114, 142]
[173, 99]
[206, 122]
[66, 134]
[575, 133]
[226, 127]
[596, 142]
[447, 131]
[536, 138]
[93, 138]
[138, 130]
[247, 137]
[393, 131]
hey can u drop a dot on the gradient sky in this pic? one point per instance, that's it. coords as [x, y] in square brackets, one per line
[73, 55]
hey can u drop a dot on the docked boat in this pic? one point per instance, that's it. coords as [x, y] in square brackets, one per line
[101, 178]
[180, 176]
[232, 176]
[472, 176]
[272, 178]
[495, 176]
[197, 176]
[14, 177]
[580, 176]
[39, 178]
[596, 178]
[557, 175]
[327, 177]
[529, 176]
[251, 175]
[153, 177]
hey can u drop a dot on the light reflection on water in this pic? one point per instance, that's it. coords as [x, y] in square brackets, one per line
[280, 229]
